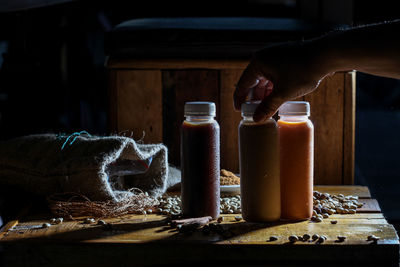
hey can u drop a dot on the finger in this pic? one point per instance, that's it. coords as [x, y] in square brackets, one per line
[268, 90]
[267, 108]
[249, 79]
[258, 92]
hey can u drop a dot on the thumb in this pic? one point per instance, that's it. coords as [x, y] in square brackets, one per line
[268, 106]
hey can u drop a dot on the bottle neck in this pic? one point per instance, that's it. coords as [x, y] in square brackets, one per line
[249, 119]
[292, 118]
[199, 119]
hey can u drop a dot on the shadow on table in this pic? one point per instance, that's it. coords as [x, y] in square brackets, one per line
[139, 245]
[162, 232]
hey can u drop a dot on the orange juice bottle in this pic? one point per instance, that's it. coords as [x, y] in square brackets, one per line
[296, 149]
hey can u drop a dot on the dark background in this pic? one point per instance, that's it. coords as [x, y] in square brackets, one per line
[53, 79]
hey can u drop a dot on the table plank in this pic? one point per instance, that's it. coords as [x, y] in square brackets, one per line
[360, 191]
[138, 238]
[236, 243]
[369, 205]
[140, 228]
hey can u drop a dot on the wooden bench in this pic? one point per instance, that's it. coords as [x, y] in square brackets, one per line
[143, 240]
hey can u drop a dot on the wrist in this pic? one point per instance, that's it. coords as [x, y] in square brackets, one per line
[335, 53]
[323, 58]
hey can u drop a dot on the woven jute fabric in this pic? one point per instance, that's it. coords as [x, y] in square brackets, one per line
[37, 164]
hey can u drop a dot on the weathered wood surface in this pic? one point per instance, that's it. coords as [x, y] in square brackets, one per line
[138, 238]
[7, 226]
[141, 229]
[112, 119]
[138, 105]
[349, 127]
[229, 120]
[369, 205]
[327, 109]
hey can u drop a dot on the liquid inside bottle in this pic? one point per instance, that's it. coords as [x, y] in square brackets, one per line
[259, 167]
[200, 161]
[296, 135]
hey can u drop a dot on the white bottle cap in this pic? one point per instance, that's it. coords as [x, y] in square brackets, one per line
[295, 108]
[200, 109]
[248, 108]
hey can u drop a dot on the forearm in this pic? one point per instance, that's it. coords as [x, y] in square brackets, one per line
[373, 49]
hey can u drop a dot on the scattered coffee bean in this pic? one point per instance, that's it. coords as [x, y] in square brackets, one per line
[293, 238]
[306, 237]
[315, 237]
[373, 238]
[238, 218]
[321, 239]
[89, 221]
[273, 238]
[46, 225]
[323, 204]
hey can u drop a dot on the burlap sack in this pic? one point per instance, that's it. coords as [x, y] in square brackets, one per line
[37, 164]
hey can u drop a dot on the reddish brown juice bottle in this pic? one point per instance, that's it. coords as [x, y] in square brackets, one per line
[200, 160]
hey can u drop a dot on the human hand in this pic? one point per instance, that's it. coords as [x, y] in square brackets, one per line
[279, 73]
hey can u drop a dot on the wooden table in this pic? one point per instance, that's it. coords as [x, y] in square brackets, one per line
[145, 240]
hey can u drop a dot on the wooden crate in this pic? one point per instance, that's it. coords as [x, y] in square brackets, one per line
[148, 96]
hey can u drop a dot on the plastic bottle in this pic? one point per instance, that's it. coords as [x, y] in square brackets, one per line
[200, 161]
[259, 167]
[296, 142]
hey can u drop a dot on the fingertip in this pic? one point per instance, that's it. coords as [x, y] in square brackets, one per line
[266, 109]
[259, 117]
